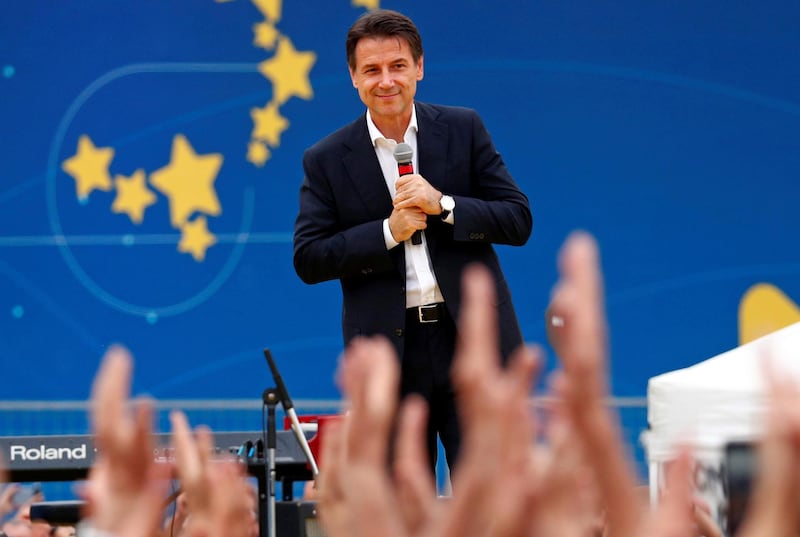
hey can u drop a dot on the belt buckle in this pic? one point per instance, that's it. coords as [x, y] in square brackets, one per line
[421, 309]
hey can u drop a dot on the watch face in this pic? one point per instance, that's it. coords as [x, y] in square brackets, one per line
[447, 203]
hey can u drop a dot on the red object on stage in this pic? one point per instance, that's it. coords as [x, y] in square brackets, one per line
[315, 442]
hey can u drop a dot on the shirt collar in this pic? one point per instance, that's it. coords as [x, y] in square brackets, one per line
[376, 134]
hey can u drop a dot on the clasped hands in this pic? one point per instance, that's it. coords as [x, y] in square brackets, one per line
[415, 199]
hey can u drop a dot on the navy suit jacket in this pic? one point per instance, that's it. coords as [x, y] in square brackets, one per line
[344, 200]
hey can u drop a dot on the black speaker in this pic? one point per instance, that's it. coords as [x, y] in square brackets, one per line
[297, 519]
[63, 513]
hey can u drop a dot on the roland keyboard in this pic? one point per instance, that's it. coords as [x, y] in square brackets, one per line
[69, 457]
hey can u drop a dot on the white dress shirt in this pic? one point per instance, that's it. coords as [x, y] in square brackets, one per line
[421, 286]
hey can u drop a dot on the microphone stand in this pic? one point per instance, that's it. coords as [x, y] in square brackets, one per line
[288, 407]
[271, 397]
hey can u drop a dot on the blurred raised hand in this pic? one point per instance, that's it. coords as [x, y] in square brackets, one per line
[581, 343]
[126, 487]
[219, 500]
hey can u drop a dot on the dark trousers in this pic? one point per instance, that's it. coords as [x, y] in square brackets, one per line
[426, 363]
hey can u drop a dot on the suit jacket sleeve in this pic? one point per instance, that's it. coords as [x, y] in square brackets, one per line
[335, 236]
[492, 208]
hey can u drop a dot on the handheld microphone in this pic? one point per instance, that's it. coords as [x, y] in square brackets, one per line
[404, 154]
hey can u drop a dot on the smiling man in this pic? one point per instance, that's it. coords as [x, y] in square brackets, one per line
[359, 217]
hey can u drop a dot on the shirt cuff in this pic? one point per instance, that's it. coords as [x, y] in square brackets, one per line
[387, 236]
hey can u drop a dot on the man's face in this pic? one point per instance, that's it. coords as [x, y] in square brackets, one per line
[386, 76]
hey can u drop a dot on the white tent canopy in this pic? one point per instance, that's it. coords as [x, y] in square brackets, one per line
[719, 400]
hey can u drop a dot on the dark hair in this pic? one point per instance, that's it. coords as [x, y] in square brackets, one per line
[383, 23]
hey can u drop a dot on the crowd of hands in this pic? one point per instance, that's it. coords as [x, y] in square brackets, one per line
[565, 472]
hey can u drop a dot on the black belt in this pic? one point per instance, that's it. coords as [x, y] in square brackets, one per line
[430, 313]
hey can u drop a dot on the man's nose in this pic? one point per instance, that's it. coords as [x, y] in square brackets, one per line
[386, 79]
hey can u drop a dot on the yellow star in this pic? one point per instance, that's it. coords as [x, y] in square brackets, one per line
[764, 309]
[269, 124]
[270, 8]
[196, 239]
[89, 167]
[133, 196]
[265, 35]
[288, 71]
[258, 153]
[369, 4]
[188, 182]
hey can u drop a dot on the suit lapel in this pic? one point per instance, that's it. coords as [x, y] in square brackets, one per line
[432, 141]
[364, 171]
[432, 145]
[366, 178]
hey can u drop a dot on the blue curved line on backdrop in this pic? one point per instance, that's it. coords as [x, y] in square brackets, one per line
[154, 312]
[628, 73]
[50, 306]
[204, 370]
[759, 272]
[66, 253]
[207, 111]
[20, 188]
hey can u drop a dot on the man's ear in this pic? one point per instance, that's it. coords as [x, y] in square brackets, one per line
[421, 68]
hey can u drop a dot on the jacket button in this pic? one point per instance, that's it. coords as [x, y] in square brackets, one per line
[403, 290]
[398, 332]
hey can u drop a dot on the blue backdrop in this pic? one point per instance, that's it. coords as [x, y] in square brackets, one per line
[151, 163]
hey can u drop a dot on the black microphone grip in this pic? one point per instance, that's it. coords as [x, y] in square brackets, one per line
[283, 393]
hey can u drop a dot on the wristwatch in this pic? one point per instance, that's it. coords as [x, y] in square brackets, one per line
[447, 203]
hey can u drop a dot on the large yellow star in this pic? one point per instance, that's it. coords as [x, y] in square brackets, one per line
[268, 124]
[369, 4]
[89, 167]
[288, 71]
[196, 239]
[133, 196]
[764, 309]
[188, 182]
[265, 35]
[258, 153]
[270, 8]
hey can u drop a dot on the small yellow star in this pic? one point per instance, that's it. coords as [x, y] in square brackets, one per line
[133, 196]
[265, 35]
[369, 4]
[288, 71]
[188, 182]
[268, 124]
[196, 239]
[258, 153]
[270, 8]
[89, 167]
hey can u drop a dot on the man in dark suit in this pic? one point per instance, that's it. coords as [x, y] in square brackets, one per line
[357, 216]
